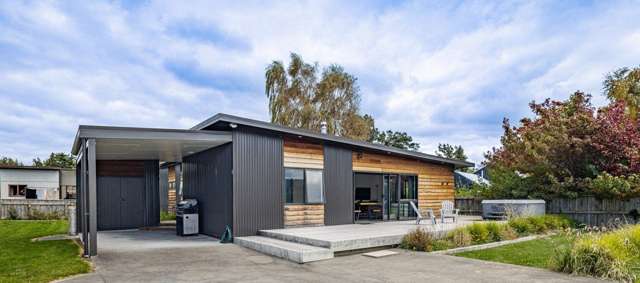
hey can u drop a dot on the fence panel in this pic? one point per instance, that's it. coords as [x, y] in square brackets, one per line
[593, 211]
[24, 208]
[469, 205]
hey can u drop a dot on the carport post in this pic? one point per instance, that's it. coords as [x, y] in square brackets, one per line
[93, 204]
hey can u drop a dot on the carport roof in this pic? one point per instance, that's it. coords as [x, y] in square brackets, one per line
[119, 143]
[222, 118]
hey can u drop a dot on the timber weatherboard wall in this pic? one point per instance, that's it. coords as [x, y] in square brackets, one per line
[303, 155]
[435, 181]
[338, 185]
[208, 178]
[258, 179]
[164, 189]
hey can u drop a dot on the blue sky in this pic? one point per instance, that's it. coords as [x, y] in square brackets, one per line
[443, 71]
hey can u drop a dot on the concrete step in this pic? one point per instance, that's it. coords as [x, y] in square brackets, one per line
[278, 234]
[295, 252]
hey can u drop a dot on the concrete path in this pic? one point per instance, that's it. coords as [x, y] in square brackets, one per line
[203, 260]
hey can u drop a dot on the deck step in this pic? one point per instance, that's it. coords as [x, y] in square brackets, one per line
[281, 235]
[295, 252]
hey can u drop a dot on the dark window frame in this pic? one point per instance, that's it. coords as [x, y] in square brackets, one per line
[304, 189]
[17, 190]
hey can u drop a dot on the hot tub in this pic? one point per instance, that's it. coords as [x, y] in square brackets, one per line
[502, 208]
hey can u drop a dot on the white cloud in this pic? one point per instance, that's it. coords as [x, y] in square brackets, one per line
[440, 71]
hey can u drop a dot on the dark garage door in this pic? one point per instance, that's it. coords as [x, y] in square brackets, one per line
[120, 202]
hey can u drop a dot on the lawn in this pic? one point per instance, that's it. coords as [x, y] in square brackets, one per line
[535, 253]
[24, 261]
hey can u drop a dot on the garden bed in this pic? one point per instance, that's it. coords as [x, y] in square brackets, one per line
[485, 232]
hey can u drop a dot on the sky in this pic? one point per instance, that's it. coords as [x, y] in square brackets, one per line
[442, 71]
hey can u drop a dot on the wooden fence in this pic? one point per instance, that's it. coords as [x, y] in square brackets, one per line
[26, 208]
[469, 205]
[587, 210]
[593, 211]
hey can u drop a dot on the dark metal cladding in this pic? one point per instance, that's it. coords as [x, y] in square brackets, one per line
[152, 192]
[164, 189]
[208, 178]
[258, 180]
[338, 185]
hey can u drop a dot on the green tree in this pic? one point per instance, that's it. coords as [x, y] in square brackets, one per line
[59, 159]
[451, 151]
[8, 161]
[299, 99]
[623, 85]
[393, 138]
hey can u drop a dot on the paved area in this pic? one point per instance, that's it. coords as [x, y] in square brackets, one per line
[127, 259]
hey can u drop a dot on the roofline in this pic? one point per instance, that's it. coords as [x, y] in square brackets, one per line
[32, 168]
[221, 117]
[114, 132]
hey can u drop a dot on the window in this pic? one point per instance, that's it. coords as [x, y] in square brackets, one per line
[303, 186]
[17, 190]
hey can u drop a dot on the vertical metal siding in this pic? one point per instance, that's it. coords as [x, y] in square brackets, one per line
[338, 185]
[208, 178]
[258, 178]
[164, 189]
[152, 193]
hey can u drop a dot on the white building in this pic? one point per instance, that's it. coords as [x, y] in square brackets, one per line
[24, 182]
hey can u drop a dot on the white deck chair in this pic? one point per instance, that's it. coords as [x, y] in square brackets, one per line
[419, 218]
[448, 211]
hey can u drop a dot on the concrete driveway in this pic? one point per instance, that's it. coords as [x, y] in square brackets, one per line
[159, 256]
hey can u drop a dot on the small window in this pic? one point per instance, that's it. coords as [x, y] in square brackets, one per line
[294, 185]
[303, 186]
[314, 186]
[17, 190]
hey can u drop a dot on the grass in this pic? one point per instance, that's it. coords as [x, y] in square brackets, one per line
[165, 215]
[535, 253]
[24, 261]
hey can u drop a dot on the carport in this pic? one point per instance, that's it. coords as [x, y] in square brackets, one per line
[118, 174]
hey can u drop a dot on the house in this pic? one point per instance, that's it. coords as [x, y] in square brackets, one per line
[27, 182]
[466, 180]
[251, 175]
[169, 186]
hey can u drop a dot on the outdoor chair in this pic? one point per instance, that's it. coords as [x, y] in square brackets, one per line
[419, 217]
[448, 211]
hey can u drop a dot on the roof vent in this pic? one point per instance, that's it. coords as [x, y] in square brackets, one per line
[323, 127]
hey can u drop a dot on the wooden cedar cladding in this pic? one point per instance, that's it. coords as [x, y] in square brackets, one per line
[120, 168]
[171, 190]
[435, 182]
[301, 154]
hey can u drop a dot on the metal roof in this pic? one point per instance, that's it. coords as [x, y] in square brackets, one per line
[116, 143]
[226, 118]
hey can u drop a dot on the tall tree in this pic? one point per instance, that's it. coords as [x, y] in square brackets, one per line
[297, 98]
[59, 159]
[451, 151]
[8, 161]
[393, 138]
[623, 85]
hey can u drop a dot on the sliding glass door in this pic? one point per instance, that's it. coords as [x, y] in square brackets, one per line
[408, 193]
[398, 191]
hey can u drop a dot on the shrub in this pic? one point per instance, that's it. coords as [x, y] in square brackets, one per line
[165, 215]
[460, 237]
[520, 225]
[418, 240]
[612, 255]
[537, 223]
[35, 214]
[494, 230]
[13, 214]
[507, 233]
[479, 233]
